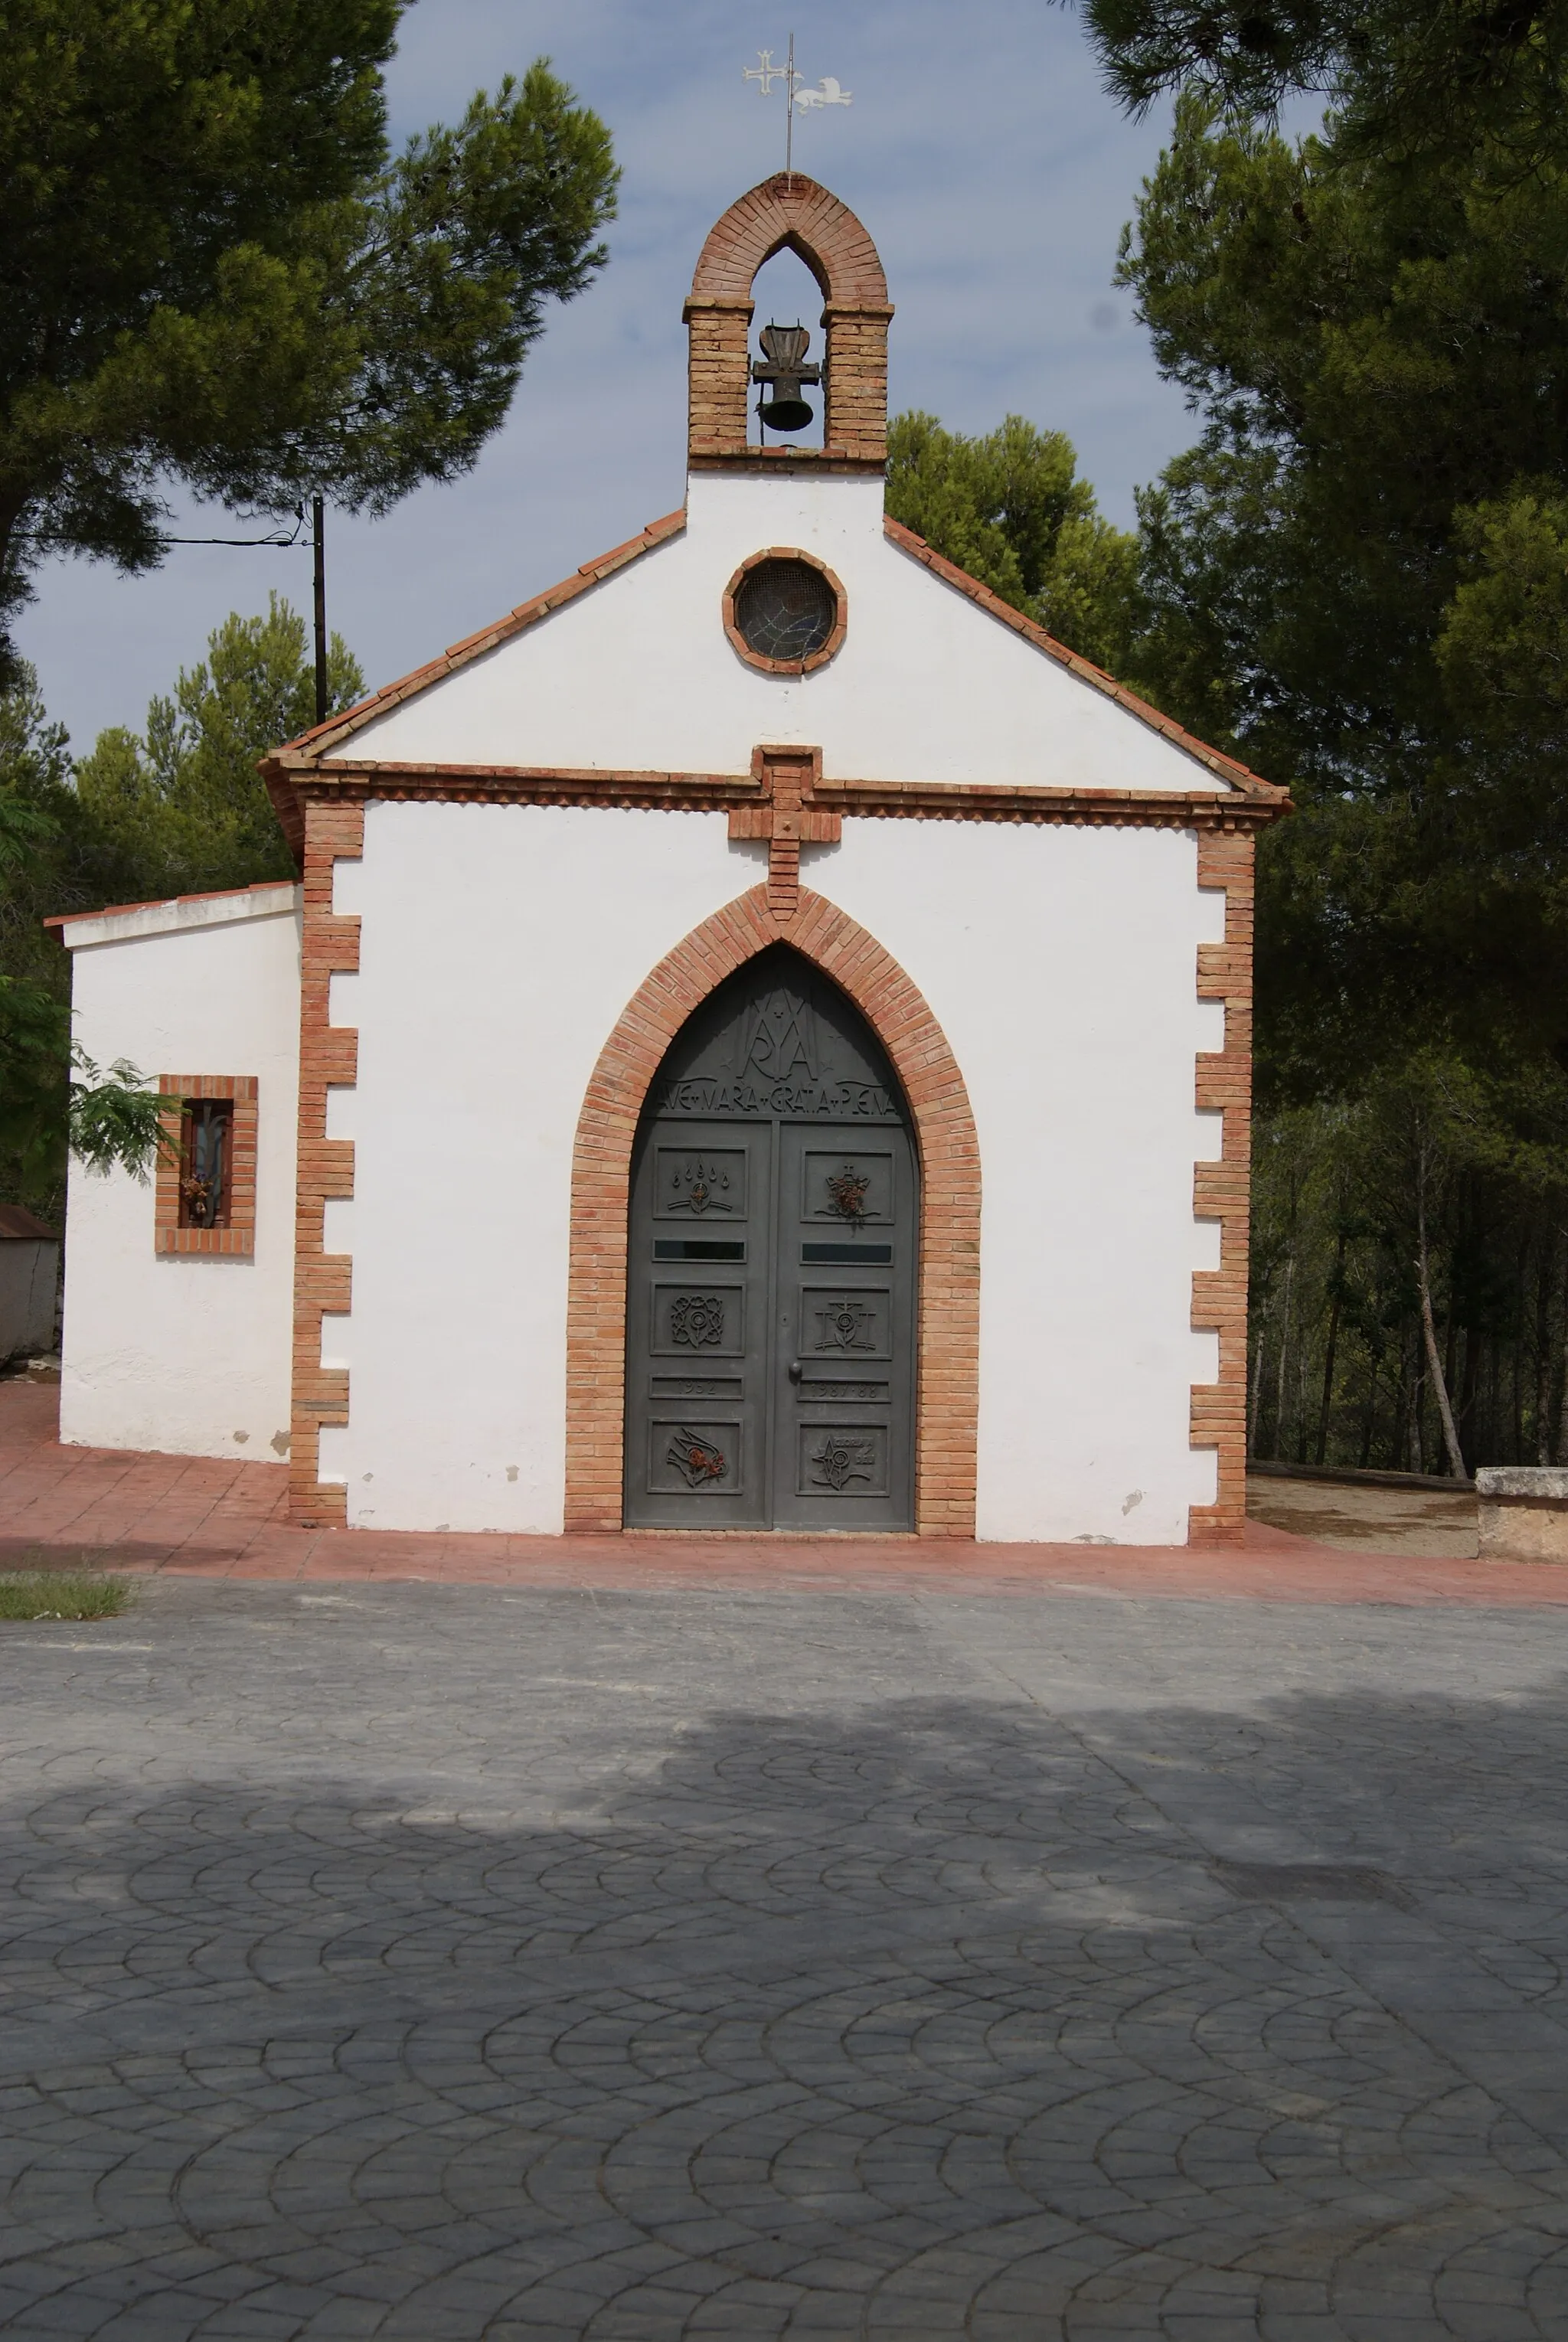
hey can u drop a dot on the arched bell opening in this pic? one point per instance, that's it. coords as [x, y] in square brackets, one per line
[792, 215]
[788, 353]
[773, 1270]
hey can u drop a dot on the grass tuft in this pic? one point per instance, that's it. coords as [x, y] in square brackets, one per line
[61, 1594]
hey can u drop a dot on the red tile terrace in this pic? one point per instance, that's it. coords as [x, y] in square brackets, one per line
[200, 1516]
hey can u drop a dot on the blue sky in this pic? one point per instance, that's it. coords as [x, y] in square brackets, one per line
[983, 154]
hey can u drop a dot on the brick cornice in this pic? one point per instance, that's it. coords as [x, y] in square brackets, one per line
[367, 776]
[739, 456]
[359, 778]
[988, 801]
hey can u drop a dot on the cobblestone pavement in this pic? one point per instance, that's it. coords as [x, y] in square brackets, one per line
[418, 1962]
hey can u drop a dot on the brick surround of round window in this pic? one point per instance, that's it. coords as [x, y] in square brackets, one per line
[790, 666]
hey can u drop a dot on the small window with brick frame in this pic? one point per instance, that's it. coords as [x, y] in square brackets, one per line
[206, 1173]
[206, 1159]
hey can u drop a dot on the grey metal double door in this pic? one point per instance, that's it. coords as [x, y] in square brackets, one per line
[770, 1300]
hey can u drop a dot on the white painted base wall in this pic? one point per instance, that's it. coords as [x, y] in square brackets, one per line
[499, 945]
[188, 1355]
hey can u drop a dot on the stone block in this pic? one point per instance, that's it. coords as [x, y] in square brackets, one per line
[1522, 1513]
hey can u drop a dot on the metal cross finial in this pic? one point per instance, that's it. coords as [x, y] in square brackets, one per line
[764, 73]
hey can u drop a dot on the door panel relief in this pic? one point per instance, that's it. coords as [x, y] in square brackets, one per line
[771, 1279]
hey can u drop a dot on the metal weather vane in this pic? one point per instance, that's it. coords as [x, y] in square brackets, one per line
[797, 99]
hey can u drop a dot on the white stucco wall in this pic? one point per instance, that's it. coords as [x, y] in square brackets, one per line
[638, 674]
[499, 946]
[1062, 963]
[187, 1353]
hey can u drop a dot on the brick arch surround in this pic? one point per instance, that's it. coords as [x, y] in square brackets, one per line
[789, 212]
[948, 1326]
[792, 211]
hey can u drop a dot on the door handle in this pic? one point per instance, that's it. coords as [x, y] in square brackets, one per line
[796, 1370]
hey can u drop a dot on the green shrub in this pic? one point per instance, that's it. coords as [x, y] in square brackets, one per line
[62, 1594]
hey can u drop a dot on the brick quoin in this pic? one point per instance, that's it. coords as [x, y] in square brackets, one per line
[795, 213]
[334, 830]
[1222, 1189]
[948, 1339]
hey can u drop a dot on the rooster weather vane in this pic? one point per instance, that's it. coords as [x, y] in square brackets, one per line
[781, 369]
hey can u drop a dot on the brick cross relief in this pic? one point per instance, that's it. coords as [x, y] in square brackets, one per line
[786, 815]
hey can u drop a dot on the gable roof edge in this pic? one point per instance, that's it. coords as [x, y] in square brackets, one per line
[1227, 768]
[309, 747]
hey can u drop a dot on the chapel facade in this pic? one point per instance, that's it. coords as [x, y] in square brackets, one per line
[761, 1041]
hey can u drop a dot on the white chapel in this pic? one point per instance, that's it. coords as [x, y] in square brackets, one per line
[761, 1041]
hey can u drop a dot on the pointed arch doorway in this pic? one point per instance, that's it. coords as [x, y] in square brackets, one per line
[771, 1269]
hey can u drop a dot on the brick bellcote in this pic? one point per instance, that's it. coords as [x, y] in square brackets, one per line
[796, 213]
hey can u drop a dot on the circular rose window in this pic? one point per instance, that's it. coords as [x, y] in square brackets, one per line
[784, 612]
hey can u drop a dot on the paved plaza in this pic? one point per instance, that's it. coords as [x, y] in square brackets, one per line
[430, 1960]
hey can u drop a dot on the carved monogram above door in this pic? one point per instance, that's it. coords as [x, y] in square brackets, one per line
[771, 1269]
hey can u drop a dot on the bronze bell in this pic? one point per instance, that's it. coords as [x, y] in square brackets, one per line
[784, 366]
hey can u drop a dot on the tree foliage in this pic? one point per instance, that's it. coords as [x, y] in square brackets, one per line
[34, 1053]
[38, 829]
[183, 802]
[1358, 577]
[177, 809]
[1341, 1369]
[113, 1117]
[1010, 509]
[1406, 78]
[213, 268]
[1356, 574]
